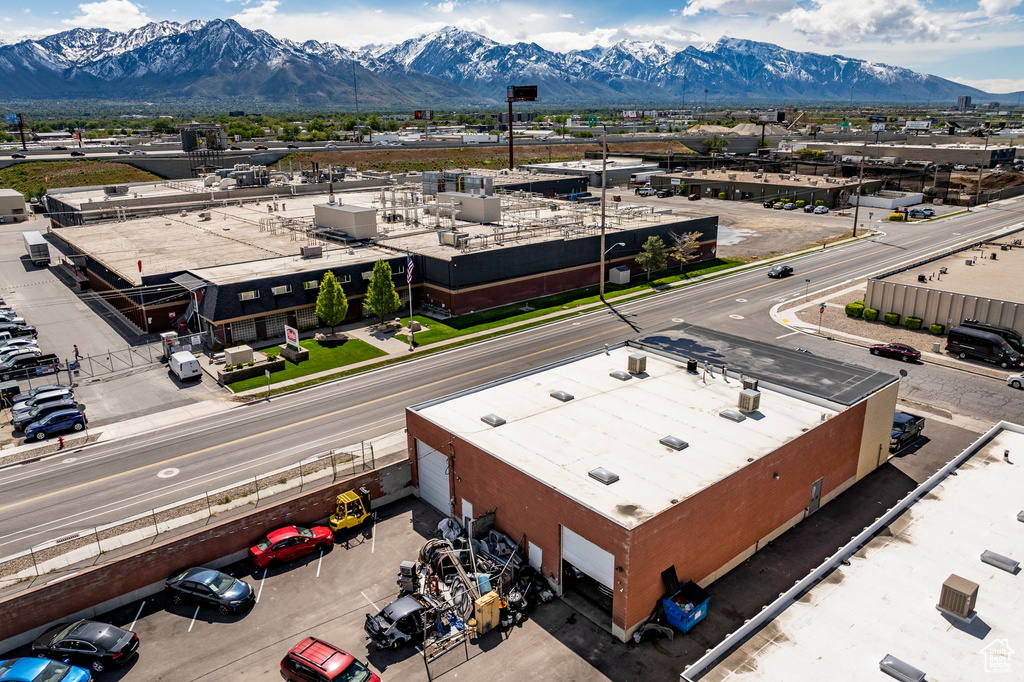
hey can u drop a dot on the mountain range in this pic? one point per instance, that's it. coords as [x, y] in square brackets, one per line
[220, 62]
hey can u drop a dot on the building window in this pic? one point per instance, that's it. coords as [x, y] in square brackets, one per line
[306, 318]
[275, 324]
[249, 295]
[345, 279]
[243, 330]
[283, 289]
[311, 284]
[400, 270]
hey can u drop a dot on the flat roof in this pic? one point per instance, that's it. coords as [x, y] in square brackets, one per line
[616, 163]
[618, 424]
[980, 146]
[843, 383]
[5, 192]
[792, 180]
[884, 601]
[999, 278]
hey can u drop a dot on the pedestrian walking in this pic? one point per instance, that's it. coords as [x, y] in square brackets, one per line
[78, 356]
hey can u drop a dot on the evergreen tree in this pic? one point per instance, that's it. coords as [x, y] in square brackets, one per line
[381, 297]
[331, 303]
[652, 255]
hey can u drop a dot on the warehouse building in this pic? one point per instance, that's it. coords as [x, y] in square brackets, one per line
[12, 206]
[619, 169]
[966, 151]
[246, 267]
[931, 591]
[618, 466]
[761, 186]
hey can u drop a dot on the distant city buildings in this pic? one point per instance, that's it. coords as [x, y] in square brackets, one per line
[963, 103]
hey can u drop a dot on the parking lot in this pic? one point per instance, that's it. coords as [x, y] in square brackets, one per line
[328, 597]
[63, 318]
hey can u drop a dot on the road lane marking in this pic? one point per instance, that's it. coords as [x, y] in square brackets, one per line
[371, 601]
[170, 472]
[194, 616]
[318, 562]
[260, 591]
[373, 535]
[785, 335]
[137, 614]
[304, 422]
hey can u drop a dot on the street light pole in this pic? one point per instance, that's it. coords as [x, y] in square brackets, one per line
[981, 168]
[604, 189]
[860, 179]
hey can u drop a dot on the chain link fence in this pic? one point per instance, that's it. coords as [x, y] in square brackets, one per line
[100, 543]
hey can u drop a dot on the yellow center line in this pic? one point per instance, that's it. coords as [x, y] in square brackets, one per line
[304, 421]
[823, 267]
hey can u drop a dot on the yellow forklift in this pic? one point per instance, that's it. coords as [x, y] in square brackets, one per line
[353, 508]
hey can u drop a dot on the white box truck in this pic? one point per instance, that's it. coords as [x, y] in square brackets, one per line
[185, 366]
[37, 248]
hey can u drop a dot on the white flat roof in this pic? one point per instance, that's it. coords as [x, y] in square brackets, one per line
[884, 602]
[617, 424]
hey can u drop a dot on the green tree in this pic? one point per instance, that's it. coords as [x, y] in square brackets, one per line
[163, 125]
[392, 126]
[381, 297]
[652, 255]
[685, 247]
[716, 144]
[374, 122]
[331, 303]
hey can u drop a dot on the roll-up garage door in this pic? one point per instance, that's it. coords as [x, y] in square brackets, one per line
[588, 557]
[435, 487]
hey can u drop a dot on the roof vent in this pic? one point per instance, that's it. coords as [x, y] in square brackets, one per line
[1020, 516]
[999, 561]
[564, 396]
[492, 419]
[894, 667]
[958, 597]
[750, 400]
[674, 442]
[603, 475]
[733, 415]
[637, 363]
[625, 376]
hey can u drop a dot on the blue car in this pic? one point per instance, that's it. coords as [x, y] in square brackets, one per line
[56, 422]
[41, 670]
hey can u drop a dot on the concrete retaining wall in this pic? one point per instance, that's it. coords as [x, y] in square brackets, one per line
[98, 589]
[943, 307]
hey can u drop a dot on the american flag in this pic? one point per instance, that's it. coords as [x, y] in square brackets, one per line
[408, 271]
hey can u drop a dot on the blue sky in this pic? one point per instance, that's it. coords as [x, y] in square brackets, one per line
[979, 42]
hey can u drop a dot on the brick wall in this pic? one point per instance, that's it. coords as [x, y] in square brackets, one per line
[710, 528]
[523, 505]
[40, 606]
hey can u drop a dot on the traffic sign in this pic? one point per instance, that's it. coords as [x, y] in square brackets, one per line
[592, 121]
[12, 119]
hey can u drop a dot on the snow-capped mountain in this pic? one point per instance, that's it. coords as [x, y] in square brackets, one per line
[221, 61]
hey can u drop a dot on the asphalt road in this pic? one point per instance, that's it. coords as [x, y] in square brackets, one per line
[116, 479]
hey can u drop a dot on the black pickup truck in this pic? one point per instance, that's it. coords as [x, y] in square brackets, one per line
[906, 428]
[24, 366]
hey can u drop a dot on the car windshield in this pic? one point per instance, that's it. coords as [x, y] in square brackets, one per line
[355, 672]
[1010, 352]
[899, 428]
[64, 632]
[222, 583]
[263, 543]
[53, 672]
[304, 532]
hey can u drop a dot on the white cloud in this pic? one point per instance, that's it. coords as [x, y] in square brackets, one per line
[565, 16]
[735, 7]
[263, 14]
[997, 8]
[838, 22]
[994, 85]
[536, 16]
[117, 15]
[672, 35]
[445, 7]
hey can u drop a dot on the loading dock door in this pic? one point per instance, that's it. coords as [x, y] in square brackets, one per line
[435, 488]
[588, 557]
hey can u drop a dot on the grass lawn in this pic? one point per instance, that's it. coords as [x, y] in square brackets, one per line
[321, 358]
[511, 314]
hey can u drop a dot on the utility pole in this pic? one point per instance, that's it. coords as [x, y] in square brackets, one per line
[981, 169]
[604, 187]
[860, 177]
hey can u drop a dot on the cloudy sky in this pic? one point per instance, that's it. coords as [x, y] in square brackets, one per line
[979, 42]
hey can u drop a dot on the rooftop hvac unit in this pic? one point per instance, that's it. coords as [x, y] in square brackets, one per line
[637, 363]
[311, 251]
[958, 597]
[750, 400]
[204, 215]
[894, 667]
[748, 383]
[691, 366]
[732, 176]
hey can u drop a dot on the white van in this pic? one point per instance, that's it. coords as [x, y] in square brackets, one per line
[185, 366]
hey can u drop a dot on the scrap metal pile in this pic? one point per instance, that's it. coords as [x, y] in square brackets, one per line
[457, 587]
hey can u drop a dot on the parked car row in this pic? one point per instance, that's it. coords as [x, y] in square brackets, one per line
[791, 206]
[47, 411]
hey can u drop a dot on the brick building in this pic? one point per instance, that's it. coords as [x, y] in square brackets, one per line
[607, 502]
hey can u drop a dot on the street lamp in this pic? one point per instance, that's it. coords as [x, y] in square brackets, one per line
[604, 188]
[614, 246]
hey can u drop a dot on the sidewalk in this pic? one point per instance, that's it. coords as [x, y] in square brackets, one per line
[399, 349]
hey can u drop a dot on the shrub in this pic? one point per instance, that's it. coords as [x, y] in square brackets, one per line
[895, 217]
[892, 319]
[819, 202]
[870, 314]
[937, 329]
[721, 195]
[800, 203]
[271, 354]
[913, 322]
[855, 309]
[218, 347]
[229, 368]
[251, 363]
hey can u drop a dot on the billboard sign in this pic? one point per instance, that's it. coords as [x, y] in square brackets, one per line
[632, 115]
[12, 119]
[877, 119]
[291, 337]
[878, 127]
[423, 115]
[522, 93]
[768, 116]
[919, 125]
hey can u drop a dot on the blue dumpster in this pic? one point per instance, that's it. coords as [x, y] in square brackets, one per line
[687, 607]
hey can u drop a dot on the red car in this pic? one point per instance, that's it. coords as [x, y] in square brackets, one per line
[694, 197]
[896, 350]
[261, 146]
[290, 542]
[313, 660]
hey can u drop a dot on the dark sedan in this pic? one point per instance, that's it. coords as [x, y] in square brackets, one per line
[208, 587]
[36, 413]
[17, 156]
[780, 271]
[896, 350]
[77, 153]
[87, 643]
